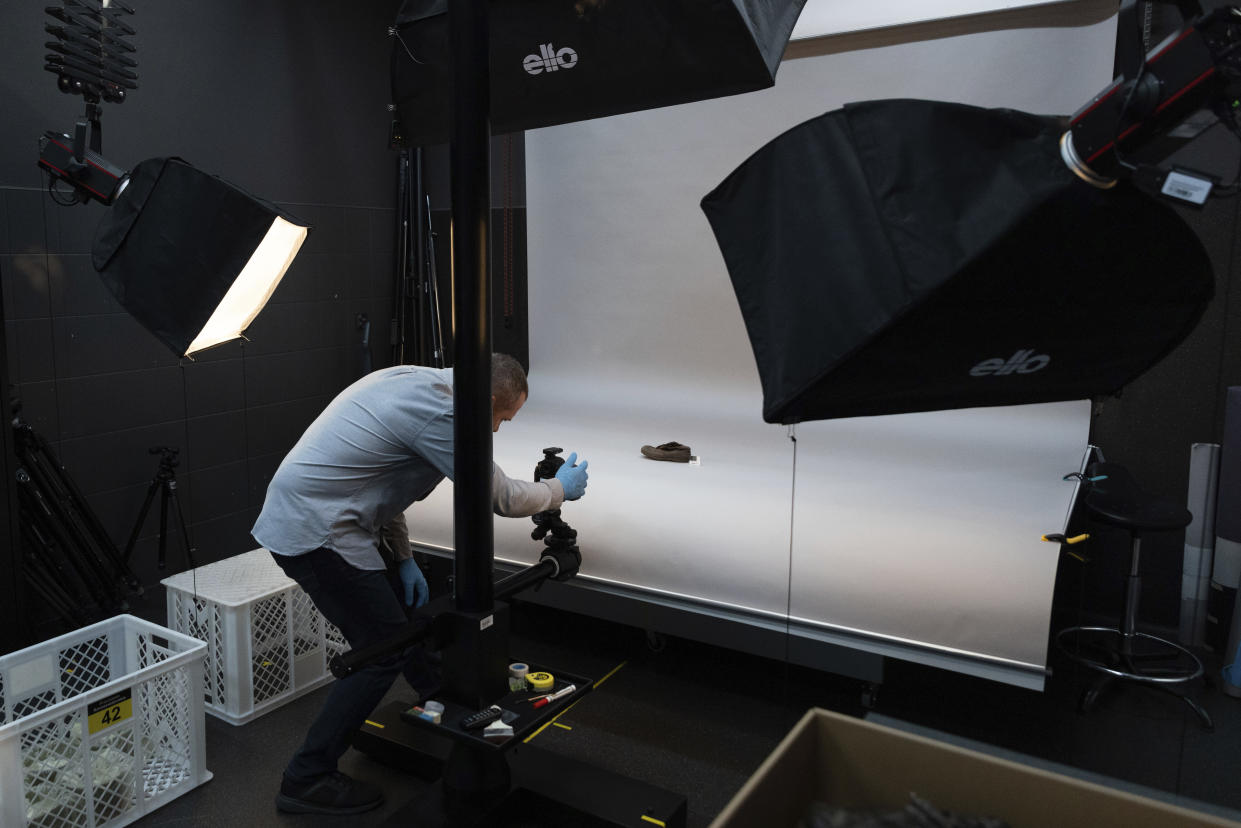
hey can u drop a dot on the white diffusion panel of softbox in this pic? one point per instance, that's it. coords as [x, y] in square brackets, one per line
[636, 338]
[820, 18]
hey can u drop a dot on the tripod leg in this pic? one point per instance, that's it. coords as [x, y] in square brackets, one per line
[163, 524]
[171, 491]
[1202, 714]
[89, 569]
[41, 548]
[74, 510]
[142, 516]
[51, 589]
[437, 325]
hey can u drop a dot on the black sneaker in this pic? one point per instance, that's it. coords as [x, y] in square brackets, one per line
[335, 793]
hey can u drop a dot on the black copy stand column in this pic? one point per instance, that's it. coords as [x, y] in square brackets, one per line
[475, 663]
[476, 777]
[475, 671]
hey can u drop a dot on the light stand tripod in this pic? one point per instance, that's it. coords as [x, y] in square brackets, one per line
[165, 481]
[418, 333]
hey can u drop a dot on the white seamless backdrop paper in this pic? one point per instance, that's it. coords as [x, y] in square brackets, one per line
[920, 530]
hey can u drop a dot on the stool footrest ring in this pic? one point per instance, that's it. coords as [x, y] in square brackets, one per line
[1161, 676]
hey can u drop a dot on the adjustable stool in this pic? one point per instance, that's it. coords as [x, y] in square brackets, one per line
[1125, 654]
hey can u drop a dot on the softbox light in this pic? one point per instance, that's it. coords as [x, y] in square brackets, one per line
[559, 62]
[192, 257]
[902, 255]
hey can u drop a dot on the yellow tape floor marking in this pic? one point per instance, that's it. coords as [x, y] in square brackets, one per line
[563, 727]
[652, 819]
[611, 673]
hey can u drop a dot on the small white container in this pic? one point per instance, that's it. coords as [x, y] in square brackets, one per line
[267, 644]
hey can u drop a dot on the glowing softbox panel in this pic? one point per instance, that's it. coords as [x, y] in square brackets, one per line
[559, 62]
[898, 256]
[190, 256]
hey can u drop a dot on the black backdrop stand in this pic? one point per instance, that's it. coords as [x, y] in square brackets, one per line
[417, 336]
[489, 783]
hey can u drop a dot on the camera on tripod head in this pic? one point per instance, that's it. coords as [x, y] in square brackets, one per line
[168, 459]
[559, 537]
[549, 465]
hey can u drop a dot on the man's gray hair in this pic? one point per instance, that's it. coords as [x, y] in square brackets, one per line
[508, 380]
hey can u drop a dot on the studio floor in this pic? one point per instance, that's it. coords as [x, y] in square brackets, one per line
[698, 720]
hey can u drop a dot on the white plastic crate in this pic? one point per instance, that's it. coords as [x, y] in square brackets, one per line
[267, 644]
[100, 726]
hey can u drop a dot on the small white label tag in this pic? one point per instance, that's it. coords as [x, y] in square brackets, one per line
[486, 622]
[1186, 188]
[34, 674]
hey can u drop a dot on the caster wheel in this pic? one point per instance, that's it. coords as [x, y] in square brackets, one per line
[656, 642]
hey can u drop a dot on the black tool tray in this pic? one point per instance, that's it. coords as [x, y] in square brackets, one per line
[528, 718]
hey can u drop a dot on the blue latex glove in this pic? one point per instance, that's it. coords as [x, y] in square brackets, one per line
[572, 478]
[414, 582]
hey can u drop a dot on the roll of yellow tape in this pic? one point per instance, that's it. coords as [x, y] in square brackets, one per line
[540, 681]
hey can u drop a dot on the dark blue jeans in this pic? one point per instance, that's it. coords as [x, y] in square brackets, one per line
[363, 604]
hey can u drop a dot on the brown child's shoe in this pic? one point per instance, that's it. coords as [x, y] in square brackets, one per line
[672, 452]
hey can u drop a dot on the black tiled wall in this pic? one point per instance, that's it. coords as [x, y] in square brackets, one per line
[285, 101]
[103, 391]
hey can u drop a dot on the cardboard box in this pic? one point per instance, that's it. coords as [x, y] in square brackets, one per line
[850, 763]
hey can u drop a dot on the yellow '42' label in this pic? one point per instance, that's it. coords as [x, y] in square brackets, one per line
[108, 711]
